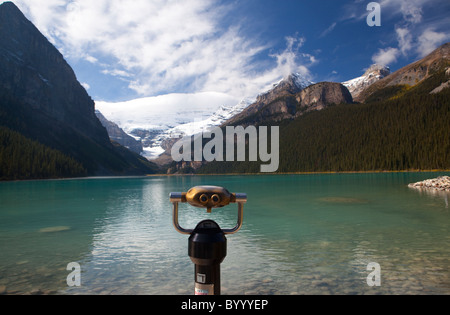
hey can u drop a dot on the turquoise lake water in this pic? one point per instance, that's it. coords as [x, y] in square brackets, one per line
[302, 234]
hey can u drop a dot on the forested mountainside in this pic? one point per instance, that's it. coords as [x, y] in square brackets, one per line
[398, 128]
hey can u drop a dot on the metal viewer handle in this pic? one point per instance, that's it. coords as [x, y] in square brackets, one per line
[208, 197]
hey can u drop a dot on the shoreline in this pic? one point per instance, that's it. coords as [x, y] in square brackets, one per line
[229, 174]
[302, 173]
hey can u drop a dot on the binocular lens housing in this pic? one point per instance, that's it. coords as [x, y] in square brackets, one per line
[204, 199]
[215, 199]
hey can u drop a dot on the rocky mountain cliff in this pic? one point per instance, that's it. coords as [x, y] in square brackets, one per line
[41, 98]
[34, 71]
[321, 95]
[118, 135]
[444, 85]
[272, 101]
[290, 102]
[293, 84]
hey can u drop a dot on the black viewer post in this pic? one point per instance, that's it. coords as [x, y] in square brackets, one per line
[207, 242]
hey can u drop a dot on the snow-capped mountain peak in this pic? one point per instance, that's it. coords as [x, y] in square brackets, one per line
[300, 81]
[373, 74]
[291, 84]
[294, 80]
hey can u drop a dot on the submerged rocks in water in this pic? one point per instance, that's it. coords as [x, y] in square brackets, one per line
[441, 183]
[55, 229]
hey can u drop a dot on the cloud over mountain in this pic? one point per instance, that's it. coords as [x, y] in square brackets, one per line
[160, 46]
[413, 36]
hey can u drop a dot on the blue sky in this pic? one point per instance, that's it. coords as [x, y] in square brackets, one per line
[126, 49]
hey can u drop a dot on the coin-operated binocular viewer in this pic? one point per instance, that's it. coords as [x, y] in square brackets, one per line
[207, 242]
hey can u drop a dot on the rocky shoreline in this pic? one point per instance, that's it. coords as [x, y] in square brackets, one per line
[440, 184]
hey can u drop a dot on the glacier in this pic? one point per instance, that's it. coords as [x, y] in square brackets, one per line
[153, 120]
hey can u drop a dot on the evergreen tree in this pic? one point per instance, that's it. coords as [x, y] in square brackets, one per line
[22, 158]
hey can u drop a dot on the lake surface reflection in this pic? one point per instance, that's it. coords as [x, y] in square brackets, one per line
[302, 234]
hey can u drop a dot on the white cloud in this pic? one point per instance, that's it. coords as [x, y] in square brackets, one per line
[161, 46]
[411, 10]
[86, 86]
[91, 59]
[430, 40]
[386, 56]
[288, 60]
[328, 30]
[411, 36]
[164, 111]
[116, 73]
[405, 38]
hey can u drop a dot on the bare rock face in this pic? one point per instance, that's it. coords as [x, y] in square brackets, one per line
[33, 70]
[444, 85]
[293, 84]
[118, 135]
[321, 95]
[273, 101]
[286, 105]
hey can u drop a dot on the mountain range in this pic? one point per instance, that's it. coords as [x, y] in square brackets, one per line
[392, 122]
[44, 111]
[138, 117]
[51, 128]
[398, 122]
[157, 127]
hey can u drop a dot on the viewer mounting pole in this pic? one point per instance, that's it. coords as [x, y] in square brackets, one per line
[207, 242]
